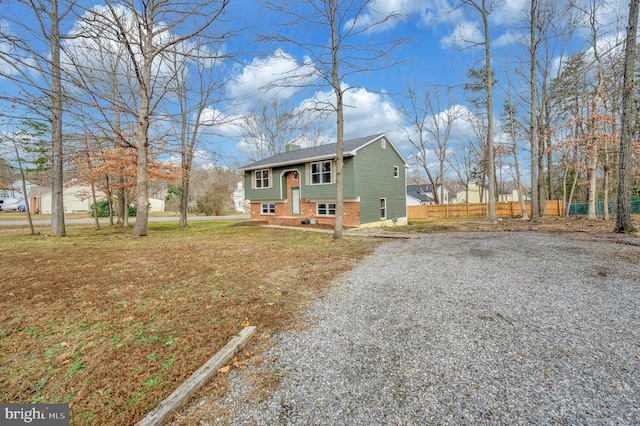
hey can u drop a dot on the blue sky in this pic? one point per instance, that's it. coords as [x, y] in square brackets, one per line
[434, 54]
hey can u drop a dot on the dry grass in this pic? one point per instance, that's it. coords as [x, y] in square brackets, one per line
[574, 224]
[113, 324]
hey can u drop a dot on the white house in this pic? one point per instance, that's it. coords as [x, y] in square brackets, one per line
[76, 199]
[240, 204]
[423, 194]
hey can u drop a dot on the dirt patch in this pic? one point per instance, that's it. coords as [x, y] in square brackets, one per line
[573, 224]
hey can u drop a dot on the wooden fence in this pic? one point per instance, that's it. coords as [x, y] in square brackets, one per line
[476, 211]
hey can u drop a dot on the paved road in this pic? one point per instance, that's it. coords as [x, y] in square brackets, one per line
[90, 221]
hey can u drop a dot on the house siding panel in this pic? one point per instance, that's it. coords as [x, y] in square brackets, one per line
[328, 191]
[375, 164]
[263, 194]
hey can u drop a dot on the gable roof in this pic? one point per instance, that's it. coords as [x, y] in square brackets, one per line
[413, 191]
[317, 153]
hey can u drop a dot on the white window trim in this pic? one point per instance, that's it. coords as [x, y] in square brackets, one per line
[321, 173]
[255, 179]
[383, 143]
[396, 172]
[327, 208]
[385, 209]
[268, 208]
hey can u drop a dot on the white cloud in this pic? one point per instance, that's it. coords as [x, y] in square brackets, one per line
[277, 76]
[509, 12]
[507, 39]
[220, 123]
[429, 12]
[365, 113]
[463, 34]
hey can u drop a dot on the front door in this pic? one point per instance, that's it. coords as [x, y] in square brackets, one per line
[295, 200]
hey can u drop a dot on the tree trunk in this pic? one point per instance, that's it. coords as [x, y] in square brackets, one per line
[24, 189]
[605, 186]
[623, 215]
[57, 175]
[542, 187]
[184, 200]
[592, 168]
[140, 228]
[523, 209]
[335, 82]
[533, 115]
[142, 200]
[490, 149]
[95, 205]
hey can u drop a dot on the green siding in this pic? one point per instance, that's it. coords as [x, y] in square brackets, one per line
[267, 194]
[373, 168]
[328, 191]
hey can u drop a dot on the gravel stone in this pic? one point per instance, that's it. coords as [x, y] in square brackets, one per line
[465, 328]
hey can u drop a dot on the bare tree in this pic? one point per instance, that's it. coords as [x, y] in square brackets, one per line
[431, 115]
[533, 114]
[196, 90]
[38, 75]
[484, 9]
[151, 33]
[511, 126]
[272, 126]
[623, 215]
[333, 34]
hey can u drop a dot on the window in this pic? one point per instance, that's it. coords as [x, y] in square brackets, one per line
[383, 208]
[321, 172]
[325, 209]
[396, 171]
[268, 208]
[262, 178]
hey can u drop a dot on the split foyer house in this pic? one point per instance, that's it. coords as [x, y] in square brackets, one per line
[300, 184]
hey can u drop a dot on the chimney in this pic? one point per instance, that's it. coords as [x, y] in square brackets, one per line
[291, 147]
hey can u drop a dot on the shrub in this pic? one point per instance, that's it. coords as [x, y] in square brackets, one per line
[102, 208]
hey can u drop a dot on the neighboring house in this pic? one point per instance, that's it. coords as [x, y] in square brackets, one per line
[507, 196]
[423, 194]
[473, 192]
[76, 199]
[471, 195]
[300, 184]
[240, 204]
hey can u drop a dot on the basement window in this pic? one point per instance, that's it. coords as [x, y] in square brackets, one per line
[268, 208]
[325, 209]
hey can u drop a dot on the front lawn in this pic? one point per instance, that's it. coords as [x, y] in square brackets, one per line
[113, 324]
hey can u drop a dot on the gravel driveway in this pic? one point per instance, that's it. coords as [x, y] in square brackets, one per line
[466, 328]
